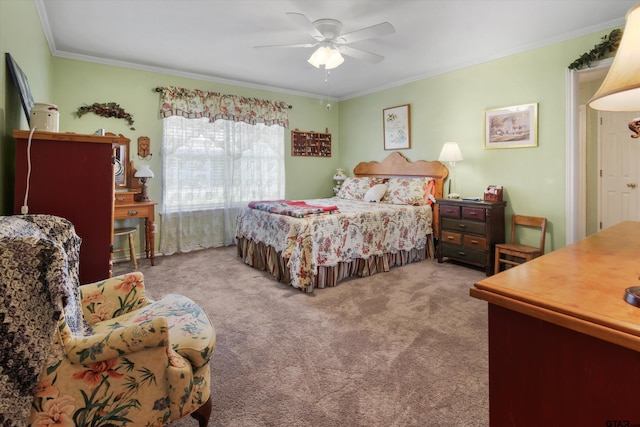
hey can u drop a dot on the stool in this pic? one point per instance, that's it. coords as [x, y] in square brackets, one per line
[128, 231]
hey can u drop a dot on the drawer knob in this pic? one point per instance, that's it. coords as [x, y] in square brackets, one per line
[449, 238]
[462, 225]
[132, 212]
[119, 199]
[474, 242]
[462, 253]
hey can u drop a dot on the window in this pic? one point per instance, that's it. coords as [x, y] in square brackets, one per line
[221, 164]
[210, 171]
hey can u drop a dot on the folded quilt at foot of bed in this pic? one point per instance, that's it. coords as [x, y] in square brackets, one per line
[294, 208]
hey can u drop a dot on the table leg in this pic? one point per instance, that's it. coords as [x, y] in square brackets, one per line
[149, 250]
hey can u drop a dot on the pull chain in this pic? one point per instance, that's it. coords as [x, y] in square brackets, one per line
[326, 80]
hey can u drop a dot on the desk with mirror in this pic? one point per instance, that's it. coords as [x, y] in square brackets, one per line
[127, 196]
[126, 207]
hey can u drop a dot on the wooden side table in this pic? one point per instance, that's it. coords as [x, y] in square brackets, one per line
[469, 231]
[146, 210]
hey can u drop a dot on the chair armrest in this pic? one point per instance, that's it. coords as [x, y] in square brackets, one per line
[118, 342]
[112, 297]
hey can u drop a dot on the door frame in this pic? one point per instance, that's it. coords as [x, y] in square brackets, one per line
[576, 179]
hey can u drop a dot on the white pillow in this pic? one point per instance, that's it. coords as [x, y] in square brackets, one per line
[375, 193]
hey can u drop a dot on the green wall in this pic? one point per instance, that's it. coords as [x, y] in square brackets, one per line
[446, 107]
[21, 35]
[79, 83]
[450, 107]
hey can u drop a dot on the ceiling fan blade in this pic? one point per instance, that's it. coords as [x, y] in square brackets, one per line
[287, 45]
[378, 30]
[373, 58]
[304, 22]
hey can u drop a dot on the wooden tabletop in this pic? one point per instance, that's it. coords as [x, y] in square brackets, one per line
[580, 287]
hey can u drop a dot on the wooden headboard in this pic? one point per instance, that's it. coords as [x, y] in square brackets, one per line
[397, 165]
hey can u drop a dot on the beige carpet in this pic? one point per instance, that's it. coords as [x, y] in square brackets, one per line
[403, 348]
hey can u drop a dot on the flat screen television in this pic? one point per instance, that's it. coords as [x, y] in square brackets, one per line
[22, 84]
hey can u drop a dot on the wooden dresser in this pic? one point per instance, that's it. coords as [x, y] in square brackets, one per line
[564, 345]
[469, 231]
[72, 176]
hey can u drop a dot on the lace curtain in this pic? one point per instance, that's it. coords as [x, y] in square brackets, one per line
[212, 168]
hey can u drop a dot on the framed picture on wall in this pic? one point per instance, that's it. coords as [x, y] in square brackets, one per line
[511, 127]
[397, 127]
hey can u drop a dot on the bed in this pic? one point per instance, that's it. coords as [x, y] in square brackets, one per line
[319, 242]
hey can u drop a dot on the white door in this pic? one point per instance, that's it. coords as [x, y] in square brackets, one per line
[619, 177]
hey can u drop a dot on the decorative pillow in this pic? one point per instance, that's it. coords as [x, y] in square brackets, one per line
[376, 193]
[410, 191]
[355, 188]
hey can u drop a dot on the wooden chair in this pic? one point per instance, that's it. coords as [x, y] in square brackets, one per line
[512, 254]
[128, 231]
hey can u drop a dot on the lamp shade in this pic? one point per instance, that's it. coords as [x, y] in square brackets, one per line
[144, 172]
[620, 90]
[339, 175]
[450, 152]
[327, 56]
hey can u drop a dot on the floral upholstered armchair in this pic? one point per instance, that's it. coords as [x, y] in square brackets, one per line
[97, 354]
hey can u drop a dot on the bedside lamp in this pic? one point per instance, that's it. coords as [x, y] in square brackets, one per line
[620, 90]
[144, 173]
[451, 153]
[339, 178]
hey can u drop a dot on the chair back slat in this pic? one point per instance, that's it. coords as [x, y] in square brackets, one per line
[530, 221]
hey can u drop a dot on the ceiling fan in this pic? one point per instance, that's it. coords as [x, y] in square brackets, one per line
[326, 33]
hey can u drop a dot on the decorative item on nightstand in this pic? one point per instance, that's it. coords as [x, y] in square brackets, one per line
[493, 193]
[144, 173]
[339, 178]
[451, 153]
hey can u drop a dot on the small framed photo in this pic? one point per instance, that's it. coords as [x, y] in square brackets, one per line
[511, 127]
[397, 127]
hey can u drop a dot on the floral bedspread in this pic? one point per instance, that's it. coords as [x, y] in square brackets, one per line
[360, 230]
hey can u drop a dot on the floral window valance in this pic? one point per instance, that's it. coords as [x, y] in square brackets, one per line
[196, 103]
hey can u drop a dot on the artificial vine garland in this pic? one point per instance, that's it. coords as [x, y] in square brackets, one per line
[109, 109]
[608, 45]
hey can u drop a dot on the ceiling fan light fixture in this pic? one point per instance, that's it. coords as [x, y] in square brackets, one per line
[329, 57]
[334, 59]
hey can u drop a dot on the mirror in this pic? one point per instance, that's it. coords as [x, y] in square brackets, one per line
[121, 166]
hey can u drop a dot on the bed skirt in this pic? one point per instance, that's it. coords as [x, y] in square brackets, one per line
[266, 258]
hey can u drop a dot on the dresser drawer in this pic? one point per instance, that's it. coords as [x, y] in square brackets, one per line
[475, 242]
[453, 238]
[472, 213]
[463, 254]
[449, 211]
[135, 211]
[125, 197]
[463, 226]
[469, 231]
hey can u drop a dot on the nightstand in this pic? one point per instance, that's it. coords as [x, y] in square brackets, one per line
[469, 231]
